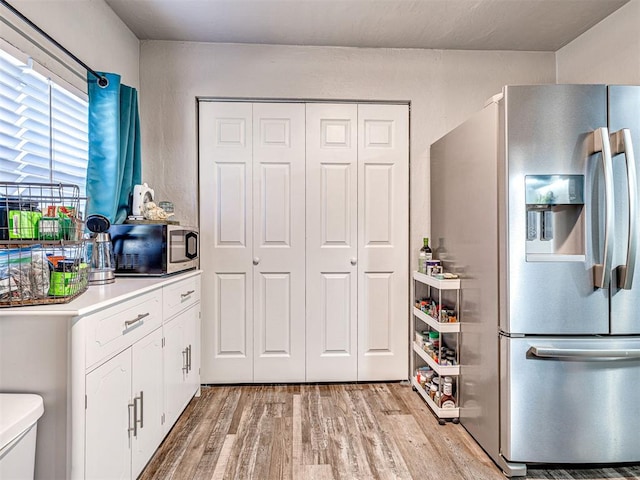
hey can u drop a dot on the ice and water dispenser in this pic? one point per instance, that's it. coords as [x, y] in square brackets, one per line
[555, 218]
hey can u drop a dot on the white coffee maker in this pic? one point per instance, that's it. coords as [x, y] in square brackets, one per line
[141, 195]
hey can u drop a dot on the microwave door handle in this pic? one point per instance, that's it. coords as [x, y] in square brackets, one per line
[191, 254]
[600, 143]
[621, 143]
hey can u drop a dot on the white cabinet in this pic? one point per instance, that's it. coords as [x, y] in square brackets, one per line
[181, 380]
[142, 367]
[304, 241]
[114, 329]
[182, 347]
[147, 393]
[124, 410]
[99, 363]
[108, 419]
[436, 327]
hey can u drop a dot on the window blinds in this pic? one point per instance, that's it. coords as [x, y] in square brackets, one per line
[43, 128]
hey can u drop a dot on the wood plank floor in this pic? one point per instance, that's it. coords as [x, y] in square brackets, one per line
[332, 432]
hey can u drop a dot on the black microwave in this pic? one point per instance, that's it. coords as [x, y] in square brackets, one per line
[154, 249]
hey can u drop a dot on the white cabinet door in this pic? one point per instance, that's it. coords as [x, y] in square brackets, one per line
[147, 393]
[190, 336]
[279, 242]
[226, 240]
[383, 208]
[332, 242]
[107, 420]
[175, 369]
[181, 379]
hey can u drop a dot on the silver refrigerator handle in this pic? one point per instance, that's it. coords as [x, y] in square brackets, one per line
[621, 143]
[600, 143]
[583, 353]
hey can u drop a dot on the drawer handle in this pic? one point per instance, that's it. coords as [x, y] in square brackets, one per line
[187, 294]
[128, 323]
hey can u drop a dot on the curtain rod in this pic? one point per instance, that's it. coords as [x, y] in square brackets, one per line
[102, 80]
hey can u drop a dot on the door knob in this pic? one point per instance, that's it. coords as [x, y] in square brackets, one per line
[354, 261]
[256, 260]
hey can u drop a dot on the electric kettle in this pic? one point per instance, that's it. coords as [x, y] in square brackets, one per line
[102, 263]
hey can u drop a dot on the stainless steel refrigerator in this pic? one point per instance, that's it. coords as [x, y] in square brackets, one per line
[534, 204]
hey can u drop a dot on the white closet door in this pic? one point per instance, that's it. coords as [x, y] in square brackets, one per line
[226, 227]
[383, 201]
[332, 242]
[279, 242]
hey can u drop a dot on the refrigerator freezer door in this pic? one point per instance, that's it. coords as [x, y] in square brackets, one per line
[624, 105]
[572, 400]
[548, 282]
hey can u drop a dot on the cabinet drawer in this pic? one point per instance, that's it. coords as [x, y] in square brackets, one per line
[180, 295]
[120, 326]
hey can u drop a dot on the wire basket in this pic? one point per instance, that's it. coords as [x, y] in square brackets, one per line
[42, 246]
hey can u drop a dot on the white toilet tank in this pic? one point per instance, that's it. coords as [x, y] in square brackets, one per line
[19, 414]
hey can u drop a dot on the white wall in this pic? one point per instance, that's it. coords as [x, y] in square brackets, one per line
[87, 28]
[607, 53]
[444, 87]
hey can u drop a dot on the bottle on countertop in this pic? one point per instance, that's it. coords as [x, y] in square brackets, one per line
[424, 255]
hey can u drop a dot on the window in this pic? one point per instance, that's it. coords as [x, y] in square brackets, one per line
[43, 128]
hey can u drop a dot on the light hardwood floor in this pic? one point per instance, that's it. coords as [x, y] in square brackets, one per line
[332, 432]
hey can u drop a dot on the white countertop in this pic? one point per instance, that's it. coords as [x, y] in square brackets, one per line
[98, 297]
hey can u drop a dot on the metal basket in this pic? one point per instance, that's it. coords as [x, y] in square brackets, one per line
[42, 249]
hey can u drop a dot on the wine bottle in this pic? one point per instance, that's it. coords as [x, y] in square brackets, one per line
[424, 256]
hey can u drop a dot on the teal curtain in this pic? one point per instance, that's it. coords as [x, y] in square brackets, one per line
[115, 164]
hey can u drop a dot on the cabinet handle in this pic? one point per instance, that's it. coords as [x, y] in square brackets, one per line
[183, 295]
[141, 398]
[185, 360]
[188, 358]
[128, 323]
[133, 429]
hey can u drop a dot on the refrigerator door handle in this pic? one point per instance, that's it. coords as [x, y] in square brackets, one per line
[600, 143]
[583, 353]
[621, 143]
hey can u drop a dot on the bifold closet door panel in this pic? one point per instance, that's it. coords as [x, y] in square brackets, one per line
[383, 219]
[279, 242]
[332, 242]
[226, 249]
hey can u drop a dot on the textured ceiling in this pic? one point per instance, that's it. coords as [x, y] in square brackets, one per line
[541, 25]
